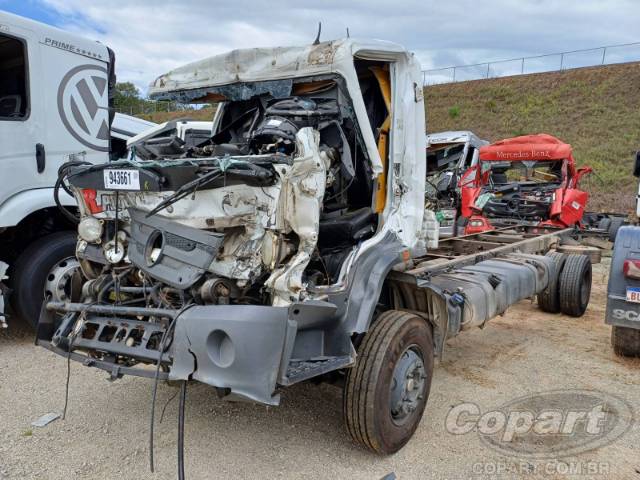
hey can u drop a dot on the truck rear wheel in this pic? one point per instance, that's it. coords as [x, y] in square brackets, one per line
[614, 226]
[575, 285]
[387, 390]
[48, 262]
[625, 341]
[549, 298]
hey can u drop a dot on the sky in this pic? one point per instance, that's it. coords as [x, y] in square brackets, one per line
[150, 37]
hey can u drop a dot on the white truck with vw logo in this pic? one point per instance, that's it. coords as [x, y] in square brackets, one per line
[55, 99]
[623, 291]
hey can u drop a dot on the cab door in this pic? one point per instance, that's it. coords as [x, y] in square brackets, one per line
[21, 128]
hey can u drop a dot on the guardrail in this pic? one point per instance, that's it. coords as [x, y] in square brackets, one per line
[551, 62]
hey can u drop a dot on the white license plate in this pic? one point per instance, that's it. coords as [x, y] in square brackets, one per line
[633, 294]
[121, 179]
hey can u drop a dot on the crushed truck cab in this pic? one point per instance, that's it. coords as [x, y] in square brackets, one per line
[288, 244]
[531, 179]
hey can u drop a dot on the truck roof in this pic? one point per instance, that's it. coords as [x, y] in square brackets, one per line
[453, 136]
[540, 147]
[125, 127]
[54, 37]
[261, 64]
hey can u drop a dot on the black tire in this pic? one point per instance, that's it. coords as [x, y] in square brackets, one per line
[616, 223]
[625, 341]
[549, 298]
[604, 223]
[367, 396]
[31, 269]
[575, 285]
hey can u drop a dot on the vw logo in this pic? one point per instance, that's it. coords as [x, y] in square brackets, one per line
[82, 104]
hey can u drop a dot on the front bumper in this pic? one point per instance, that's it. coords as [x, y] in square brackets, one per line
[243, 350]
[621, 313]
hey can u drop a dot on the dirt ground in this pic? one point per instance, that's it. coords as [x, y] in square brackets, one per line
[105, 435]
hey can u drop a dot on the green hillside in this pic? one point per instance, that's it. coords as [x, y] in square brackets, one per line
[596, 110]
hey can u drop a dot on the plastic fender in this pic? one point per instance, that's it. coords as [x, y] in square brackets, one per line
[573, 206]
[18, 207]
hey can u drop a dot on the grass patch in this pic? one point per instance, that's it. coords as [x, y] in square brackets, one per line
[596, 110]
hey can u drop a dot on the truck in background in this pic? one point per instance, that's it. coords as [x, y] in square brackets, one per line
[623, 290]
[449, 155]
[530, 179]
[56, 105]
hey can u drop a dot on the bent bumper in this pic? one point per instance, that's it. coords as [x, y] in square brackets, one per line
[244, 350]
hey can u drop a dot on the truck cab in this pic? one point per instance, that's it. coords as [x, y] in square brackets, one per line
[623, 290]
[56, 93]
[449, 155]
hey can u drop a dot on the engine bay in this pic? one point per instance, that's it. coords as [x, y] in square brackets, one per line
[262, 211]
[520, 190]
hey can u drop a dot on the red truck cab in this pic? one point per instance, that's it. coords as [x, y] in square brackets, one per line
[531, 179]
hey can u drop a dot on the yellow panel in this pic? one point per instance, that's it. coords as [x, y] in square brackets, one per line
[384, 81]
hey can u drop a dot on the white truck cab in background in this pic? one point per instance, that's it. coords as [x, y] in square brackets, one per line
[56, 91]
[449, 155]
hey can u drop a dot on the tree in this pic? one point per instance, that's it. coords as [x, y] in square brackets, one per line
[127, 94]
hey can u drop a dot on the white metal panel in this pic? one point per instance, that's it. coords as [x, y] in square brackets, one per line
[62, 107]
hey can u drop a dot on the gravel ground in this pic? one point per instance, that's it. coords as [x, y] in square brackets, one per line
[105, 434]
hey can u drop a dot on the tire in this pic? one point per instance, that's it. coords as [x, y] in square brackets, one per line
[625, 341]
[395, 340]
[616, 223]
[31, 269]
[549, 298]
[604, 223]
[575, 285]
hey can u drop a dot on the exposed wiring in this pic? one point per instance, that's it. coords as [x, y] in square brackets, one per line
[154, 393]
[355, 169]
[116, 219]
[166, 404]
[181, 408]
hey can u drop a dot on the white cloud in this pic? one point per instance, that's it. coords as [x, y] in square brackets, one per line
[152, 36]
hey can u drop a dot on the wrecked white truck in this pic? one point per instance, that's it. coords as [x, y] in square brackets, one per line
[288, 245]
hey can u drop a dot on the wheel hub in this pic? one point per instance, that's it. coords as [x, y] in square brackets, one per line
[407, 385]
[58, 284]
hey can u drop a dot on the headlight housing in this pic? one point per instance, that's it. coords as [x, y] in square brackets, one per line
[90, 229]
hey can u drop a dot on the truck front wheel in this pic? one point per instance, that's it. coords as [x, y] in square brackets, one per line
[387, 390]
[625, 341]
[47, 264]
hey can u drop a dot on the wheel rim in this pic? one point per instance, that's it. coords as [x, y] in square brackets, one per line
[407, 385]
[58, 283]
